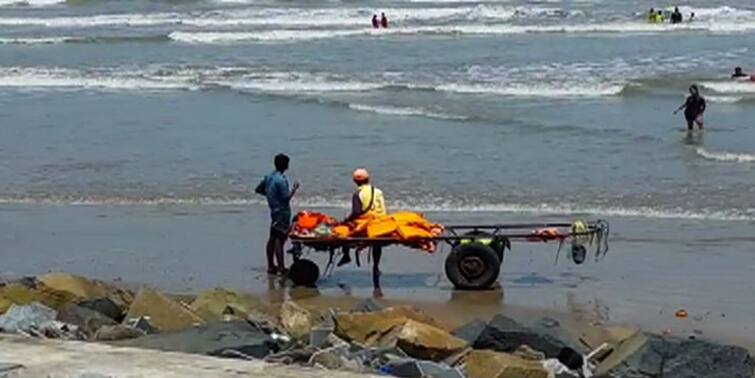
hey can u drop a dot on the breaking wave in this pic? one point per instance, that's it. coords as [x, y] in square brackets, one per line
[726, 156]
[31, 3]
[443, 206]
[537, 90]
[404, 111]
[288, 83]
[730, 86]
[64, 78]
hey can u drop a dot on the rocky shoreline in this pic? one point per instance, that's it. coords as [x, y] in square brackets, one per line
[369, 337]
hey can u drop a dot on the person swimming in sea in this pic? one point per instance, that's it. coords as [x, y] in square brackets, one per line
[738, 74]
[694, 107]
[676, 17]
[375, 22]
[651, 16]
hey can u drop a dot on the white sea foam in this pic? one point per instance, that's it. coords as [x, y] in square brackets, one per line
[536, 90]
[30, 3]
[726, 156]
[724, 99]
[437, 206]
[403, 111]
[33, 41]
[260, 36]
[730, 86]
[71, 79]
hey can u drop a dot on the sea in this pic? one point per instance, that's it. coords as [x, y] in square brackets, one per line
[133, 132]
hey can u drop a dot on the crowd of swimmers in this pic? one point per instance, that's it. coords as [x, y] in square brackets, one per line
[382, 23]
[659, 17]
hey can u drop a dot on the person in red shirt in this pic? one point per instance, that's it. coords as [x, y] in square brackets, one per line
[383, 20]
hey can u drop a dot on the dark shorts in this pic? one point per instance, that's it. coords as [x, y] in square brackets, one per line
[277, 233]
[691, 118]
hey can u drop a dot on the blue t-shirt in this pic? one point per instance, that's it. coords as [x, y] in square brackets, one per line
[275, 187]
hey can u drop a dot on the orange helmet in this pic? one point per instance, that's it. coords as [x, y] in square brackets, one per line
[360, 174]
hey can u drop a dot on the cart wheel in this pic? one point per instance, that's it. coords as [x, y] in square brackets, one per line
[578, 254]
[472, 266]
[304, 272]
[497, 243]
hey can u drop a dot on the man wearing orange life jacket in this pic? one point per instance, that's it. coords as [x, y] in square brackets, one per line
[367, 201]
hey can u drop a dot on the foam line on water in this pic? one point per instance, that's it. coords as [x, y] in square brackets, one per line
[564, 209]
[403, 111]
[726, 156]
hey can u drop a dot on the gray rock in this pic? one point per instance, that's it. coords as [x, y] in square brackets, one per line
[471, 331]
[117, 332]
[141, 323]
[367, 305]
[105, 306]
[552, 328]
[24, 318]
[673, 357]
[89, 321]
[230, 339]
[336, 358]
[504, 334]
[422, 369]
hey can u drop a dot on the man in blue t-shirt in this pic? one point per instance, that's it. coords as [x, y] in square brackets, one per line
[274, 186]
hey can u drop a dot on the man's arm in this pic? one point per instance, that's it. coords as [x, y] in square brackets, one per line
[356, 208]
[261, 188]
[293, 191]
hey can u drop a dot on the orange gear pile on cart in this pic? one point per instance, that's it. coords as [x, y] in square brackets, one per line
[408, 228]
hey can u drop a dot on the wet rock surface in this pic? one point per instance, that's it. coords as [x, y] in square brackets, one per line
[673, 357]
[226, 339]
[164, 313]
[503, 334]
[366, 338]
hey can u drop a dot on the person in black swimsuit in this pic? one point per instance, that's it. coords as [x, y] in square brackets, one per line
[694, 107]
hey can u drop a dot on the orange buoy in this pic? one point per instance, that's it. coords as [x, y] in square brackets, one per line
[681, 313]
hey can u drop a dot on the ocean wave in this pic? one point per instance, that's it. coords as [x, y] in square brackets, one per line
[404, 111]
[726, 156]
[730, 86]
[33, 41]
[724, 99]
[31, 3]
[64, 78]
[293, 17]
[537, 89]
[449, 206]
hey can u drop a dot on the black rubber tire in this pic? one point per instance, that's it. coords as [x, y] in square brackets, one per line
[498, 244]
[472, 266]
[304, 272]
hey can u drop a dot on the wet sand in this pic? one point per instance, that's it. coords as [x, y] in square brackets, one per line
[653, 268]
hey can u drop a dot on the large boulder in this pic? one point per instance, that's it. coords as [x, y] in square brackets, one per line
[423, 369]
[106, 307]
[88, 320]
[164, 313]
[376, 329]
[296, 320]
[26, 317]
[86, 289]
[671, 357]
[219, 304]
[504, 334]
[226, 339]
[469, 332]
[490, 364]
[117, 332]
[18, 294]
[79, 286]
[426, 342]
